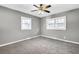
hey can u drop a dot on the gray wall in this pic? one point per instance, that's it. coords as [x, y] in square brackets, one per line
[10, 26]
[72, 31]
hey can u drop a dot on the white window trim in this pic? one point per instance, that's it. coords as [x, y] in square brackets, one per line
[22, 17]
[57, 28]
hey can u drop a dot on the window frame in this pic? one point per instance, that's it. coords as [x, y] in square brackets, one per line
[54, 28]
[29, 21]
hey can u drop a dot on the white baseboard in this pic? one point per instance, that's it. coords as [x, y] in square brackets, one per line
[60, 39]
[38, 36]
[18, 41]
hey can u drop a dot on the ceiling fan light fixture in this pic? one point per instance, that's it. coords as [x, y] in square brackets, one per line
[40, 12]
[42, 8]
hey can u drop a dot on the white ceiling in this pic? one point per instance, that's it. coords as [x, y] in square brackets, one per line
[56, 8]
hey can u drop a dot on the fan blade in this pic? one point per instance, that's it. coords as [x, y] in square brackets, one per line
[34, 10]
[48, 6]
[41, 5]
[36, 6]
[47, 11]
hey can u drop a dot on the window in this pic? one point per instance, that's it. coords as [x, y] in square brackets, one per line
[25, 23]
[58, 23]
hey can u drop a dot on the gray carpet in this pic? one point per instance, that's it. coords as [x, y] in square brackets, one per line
[40, 45]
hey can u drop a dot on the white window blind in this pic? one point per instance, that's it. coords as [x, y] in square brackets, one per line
[25, 23]
[58, 23]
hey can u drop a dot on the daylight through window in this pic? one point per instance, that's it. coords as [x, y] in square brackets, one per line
[58, 23]
[25, 23]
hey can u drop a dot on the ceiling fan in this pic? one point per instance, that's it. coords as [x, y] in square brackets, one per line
[42, 8]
